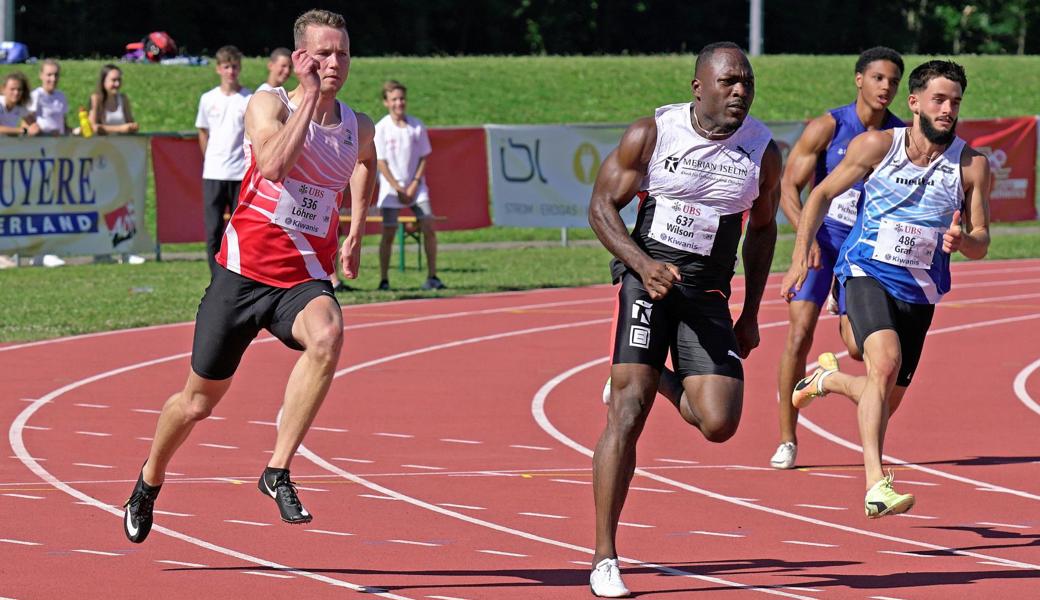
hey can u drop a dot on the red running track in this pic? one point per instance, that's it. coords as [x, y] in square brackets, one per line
[450, 461]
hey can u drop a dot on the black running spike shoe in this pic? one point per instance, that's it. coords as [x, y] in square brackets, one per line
[275, 483]
[137, 520]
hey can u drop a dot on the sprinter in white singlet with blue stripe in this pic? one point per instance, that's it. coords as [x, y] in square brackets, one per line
[926, 195]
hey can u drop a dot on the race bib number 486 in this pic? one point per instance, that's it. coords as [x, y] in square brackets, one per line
[305, 207]
[685, 226]
[906, 245]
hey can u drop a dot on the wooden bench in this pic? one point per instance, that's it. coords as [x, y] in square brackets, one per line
[402, 233]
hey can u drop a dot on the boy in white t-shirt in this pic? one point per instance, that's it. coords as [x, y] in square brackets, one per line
[279, 67]
[402, 147]
[221, 125]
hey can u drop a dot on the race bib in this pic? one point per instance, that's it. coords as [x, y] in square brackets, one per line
[905, 245]
[685, 226]
[844, 208]
[305, 207]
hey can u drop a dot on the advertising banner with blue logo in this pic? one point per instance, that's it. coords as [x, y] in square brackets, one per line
[542, 175]
[73, 195]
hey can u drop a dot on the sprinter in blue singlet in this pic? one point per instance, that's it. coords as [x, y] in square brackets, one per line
[818, 151]
[926, 195]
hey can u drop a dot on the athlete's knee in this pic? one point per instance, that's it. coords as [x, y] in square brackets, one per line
[799, 340]
[718, 428]
[627, 415]
[325, 342]
[884, 368]
[194, 405]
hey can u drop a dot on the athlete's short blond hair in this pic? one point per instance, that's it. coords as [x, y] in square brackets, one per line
[318, 18]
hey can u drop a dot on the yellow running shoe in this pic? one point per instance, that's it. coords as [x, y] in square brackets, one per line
[811, 387]
[882, 500]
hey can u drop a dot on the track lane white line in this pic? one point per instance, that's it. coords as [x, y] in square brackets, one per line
[538, 411]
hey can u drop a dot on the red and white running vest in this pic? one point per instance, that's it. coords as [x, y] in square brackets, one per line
[284, 233]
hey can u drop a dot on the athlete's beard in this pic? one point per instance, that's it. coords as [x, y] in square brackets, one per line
[934, 135]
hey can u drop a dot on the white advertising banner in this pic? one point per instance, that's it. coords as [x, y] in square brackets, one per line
[542, 175]
[73, 195]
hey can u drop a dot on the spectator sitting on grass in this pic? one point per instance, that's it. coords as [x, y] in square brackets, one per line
[109, 108]
[15, 118]
[279, 67]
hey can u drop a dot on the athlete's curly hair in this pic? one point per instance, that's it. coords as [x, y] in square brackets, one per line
[878, 53]
[933, 69]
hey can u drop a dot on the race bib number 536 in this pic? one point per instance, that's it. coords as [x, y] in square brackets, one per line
[305, 207]
[906, 245]
[685, 226]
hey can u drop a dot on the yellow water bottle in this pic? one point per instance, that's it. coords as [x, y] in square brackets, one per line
[84, 123]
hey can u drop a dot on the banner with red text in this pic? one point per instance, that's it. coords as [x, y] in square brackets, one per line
[73, 195]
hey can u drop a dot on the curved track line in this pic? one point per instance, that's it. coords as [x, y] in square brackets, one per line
[1020, 387]
[974, 482]
[18, 445]
[538, 411]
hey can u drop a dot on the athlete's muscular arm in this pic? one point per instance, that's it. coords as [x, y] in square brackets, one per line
[362, 185]
[969, 231]
[617, 182]
[801, 166]
[864, 153]
[757, 252]
[278, 141]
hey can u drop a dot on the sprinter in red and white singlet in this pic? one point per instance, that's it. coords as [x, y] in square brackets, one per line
[306, 151]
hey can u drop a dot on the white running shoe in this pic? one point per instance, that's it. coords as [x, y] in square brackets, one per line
[605, 580]
[48, 260]
[606, 392]
[785, 455]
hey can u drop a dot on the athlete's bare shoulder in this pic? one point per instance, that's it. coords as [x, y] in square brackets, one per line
[974, 166]
[266, 105]
[870, 147]
[636, 147]
[366, 127]
[818, 133]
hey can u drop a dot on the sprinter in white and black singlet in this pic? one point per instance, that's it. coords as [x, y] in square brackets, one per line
[697, 168]
[925, 196]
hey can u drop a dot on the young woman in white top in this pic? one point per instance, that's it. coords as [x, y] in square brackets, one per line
[15, 117]
[109, 108]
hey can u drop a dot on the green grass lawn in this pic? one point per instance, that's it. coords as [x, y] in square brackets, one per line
[450, 91]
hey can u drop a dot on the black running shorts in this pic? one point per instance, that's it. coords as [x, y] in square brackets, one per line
[694, 325]
[235, 309]
[871, 308]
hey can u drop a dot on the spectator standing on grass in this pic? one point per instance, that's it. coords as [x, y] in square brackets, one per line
[110, 114]
[49, 107]
[221, 125]
[279, 67]
[110, 108]
[402, 147]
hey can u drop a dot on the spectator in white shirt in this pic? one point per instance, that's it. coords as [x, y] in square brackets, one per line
[15, 118]
[47, 102]
[221, 125]
[109, 107]
[279, 66]
[402, 147]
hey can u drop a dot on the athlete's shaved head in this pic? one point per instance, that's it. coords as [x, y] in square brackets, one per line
[707, 53]
[723, 86]
[317, 18]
